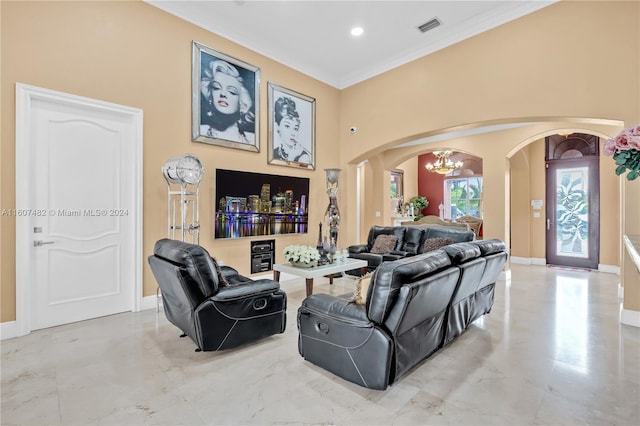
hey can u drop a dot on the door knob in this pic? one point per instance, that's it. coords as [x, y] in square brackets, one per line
[38, 243]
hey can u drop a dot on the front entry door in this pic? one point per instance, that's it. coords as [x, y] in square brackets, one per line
[77, 209]
[573, 211]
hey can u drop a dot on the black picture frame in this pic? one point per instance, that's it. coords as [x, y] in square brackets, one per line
[225, 100]
[291, 128]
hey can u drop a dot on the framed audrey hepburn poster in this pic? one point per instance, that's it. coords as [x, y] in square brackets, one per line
[225, 100]
[291, 128]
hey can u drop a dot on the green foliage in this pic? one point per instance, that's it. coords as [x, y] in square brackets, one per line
[419, 203]
[628, 160]
[466, 195]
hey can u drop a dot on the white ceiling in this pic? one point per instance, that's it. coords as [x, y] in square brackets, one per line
[314, 37]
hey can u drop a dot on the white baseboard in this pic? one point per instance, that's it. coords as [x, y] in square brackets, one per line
[528, 260]
[149, 302]
[609, 269]
[629, 317]
[8, 330]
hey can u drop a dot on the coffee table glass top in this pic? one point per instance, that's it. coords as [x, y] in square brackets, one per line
[319, 271]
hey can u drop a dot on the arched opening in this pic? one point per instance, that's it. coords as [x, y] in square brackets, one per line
[505, 154]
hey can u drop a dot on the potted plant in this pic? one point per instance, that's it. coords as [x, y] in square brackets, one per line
[301, 256]
[419, 203]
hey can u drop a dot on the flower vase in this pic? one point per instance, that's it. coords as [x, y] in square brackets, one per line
[303, 264]
[332, 250]
[326, 247]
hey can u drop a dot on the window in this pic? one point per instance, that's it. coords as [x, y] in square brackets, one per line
[397, 183]
[462, 197]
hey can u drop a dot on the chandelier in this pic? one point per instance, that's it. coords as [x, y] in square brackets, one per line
[443, 164]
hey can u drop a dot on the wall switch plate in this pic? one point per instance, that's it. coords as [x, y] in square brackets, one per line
[536, 214]
[378, 214]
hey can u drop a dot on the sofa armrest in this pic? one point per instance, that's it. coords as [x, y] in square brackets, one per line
[402, 253]
[228, 270]
[251, 288]
[336, 335]
[233, 277]
[337, 308]
[359, 248]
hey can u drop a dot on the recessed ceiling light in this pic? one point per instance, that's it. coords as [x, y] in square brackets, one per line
[357, 31]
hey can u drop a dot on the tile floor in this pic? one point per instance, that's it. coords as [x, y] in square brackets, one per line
[551, 352]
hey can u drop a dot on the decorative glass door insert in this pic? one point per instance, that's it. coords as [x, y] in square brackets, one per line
[572, 212]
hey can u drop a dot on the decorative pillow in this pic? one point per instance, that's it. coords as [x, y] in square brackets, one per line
[362, 286]
[222, 281]
[431, 244]
[384, 244]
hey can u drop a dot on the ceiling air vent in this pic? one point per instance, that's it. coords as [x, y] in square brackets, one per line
[429, 25]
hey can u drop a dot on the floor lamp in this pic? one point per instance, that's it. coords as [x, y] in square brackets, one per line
[183, 175]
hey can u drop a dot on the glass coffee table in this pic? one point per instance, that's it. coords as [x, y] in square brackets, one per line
[319, 271]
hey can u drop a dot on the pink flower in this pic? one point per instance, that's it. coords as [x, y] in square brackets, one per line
[625, 149]
[609, 147]
[622, 141]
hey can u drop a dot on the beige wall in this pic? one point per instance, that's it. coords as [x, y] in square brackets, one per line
[134, 54]
[537, 191]
[520, 204]
[536, 69]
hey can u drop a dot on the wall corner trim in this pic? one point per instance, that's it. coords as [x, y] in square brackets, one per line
[620, 292]
[8, 330]
[609, 269]
[629, 317]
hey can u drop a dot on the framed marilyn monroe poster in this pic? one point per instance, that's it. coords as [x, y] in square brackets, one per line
[225, 100]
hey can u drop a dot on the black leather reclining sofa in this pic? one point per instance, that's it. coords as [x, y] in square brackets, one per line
[414, 306]
[410, 241]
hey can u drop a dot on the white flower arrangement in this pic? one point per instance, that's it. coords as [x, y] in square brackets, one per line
[302, 254]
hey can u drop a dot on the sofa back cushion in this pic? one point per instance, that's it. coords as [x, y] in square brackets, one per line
[462, 252]
[413, 237]
[390, 276]
[466, 256]
[494, 251]
[376, 230]
[195, 262]
[458, 236]
[490, 246]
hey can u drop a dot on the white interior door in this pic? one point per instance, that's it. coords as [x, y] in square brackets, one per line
[78, 210]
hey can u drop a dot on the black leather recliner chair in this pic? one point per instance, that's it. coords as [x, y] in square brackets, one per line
[214, 315]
